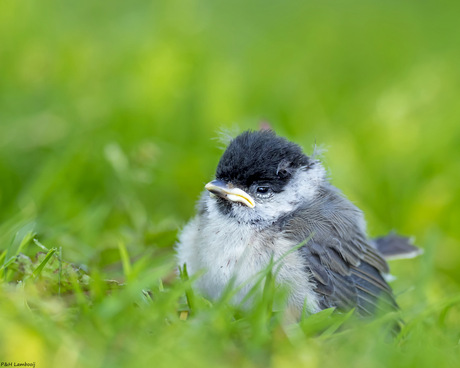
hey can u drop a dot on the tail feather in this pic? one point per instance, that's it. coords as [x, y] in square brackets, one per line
[393, 246]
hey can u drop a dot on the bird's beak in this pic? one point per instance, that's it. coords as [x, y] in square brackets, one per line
[221, 189]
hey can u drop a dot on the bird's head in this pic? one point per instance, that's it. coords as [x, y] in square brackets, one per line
[261, 177]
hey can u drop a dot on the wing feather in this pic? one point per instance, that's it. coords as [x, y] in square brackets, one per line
[346, 269]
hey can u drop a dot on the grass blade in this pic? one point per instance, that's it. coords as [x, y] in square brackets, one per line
[43, 263]
[125, 259]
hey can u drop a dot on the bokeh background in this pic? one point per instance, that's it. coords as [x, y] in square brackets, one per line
[109, 114]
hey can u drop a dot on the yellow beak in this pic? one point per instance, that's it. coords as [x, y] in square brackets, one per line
[221, 189]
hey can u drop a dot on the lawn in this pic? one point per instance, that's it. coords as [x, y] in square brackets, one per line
[110, 118]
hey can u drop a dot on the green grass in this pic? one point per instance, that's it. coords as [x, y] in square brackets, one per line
[108, 115]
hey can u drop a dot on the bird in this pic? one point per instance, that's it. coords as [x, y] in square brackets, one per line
[270, 202]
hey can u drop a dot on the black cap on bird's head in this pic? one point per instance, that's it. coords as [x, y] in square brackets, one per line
[256, 164]
[260, 156]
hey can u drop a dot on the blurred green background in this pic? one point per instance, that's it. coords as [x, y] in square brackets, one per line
[109, 113]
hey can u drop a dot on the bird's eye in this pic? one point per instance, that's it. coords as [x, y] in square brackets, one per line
[263, 190]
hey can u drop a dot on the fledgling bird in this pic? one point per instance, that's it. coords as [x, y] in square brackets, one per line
[267, 198]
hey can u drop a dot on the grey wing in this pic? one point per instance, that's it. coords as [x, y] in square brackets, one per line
[345, 267]
[343, 284]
